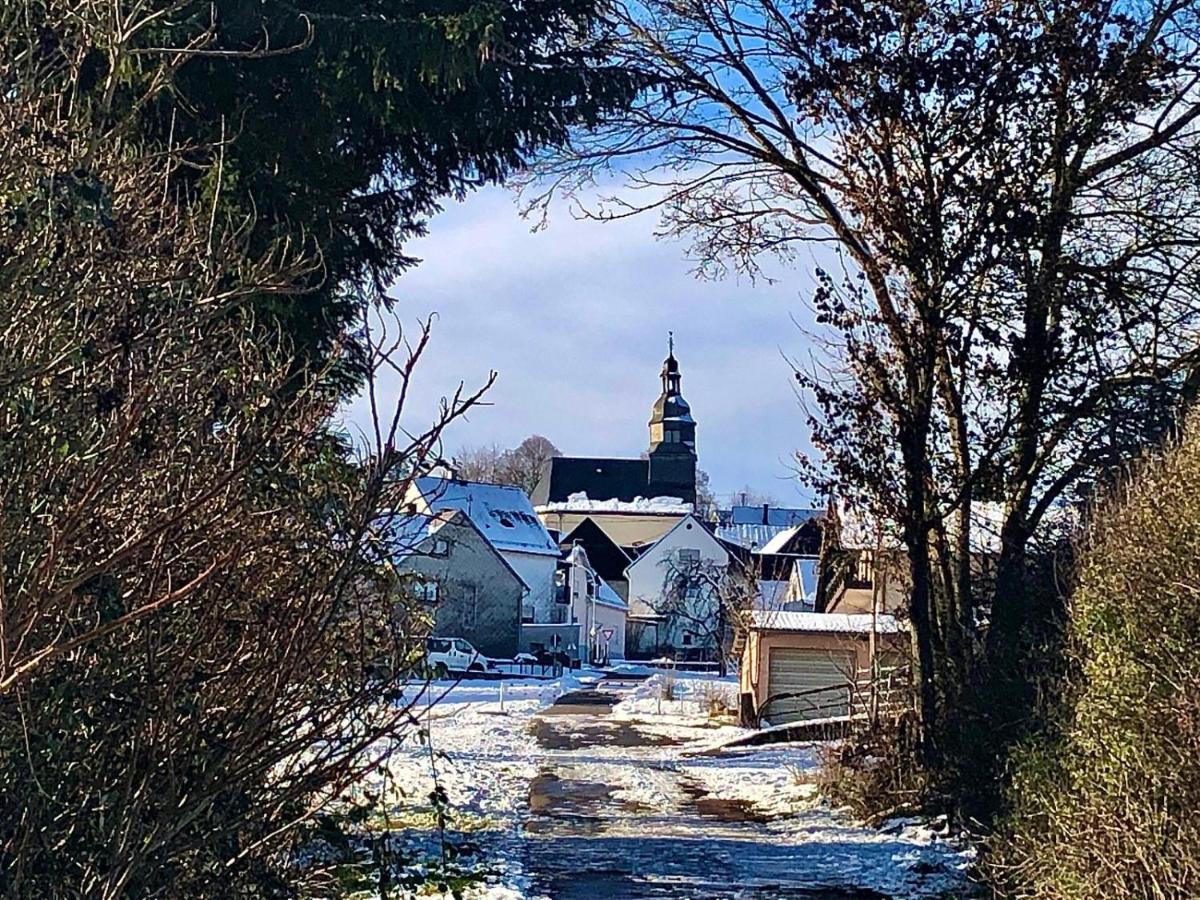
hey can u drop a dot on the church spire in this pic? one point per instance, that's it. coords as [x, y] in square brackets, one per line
[671, 425]
[670, 369]
[672, 436]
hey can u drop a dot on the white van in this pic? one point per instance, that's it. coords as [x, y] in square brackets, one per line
[446, 655]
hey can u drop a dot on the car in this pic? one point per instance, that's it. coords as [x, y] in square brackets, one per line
[444, 655]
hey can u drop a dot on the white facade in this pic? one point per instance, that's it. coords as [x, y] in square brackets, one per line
[597, 608]
[648, 573]
[537, 571]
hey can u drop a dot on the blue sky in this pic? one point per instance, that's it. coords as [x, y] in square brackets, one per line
[574, 319]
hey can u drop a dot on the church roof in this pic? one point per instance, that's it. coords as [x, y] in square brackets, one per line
[608, 479]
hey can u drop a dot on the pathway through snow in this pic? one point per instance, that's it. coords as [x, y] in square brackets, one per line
[579, 804]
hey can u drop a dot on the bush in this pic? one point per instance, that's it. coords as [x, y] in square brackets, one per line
[1104, 805]
[715, 699]
[876, 772]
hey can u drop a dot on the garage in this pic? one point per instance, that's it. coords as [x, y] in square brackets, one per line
[821, 677]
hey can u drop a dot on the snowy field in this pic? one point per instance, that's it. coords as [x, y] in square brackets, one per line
[625, 775]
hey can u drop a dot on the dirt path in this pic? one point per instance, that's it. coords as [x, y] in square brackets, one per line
[587, 838]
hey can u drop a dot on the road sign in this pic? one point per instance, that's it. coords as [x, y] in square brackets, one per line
[607, 634]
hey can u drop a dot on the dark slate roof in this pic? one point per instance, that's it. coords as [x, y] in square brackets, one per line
[600, 479]
[608, 560]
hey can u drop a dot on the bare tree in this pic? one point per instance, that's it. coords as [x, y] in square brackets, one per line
[478, 463]
[192, 607]
[520, 466]
[1008, 198]
[523, 464]
[704, 604]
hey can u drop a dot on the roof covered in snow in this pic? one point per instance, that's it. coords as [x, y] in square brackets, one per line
[777, 543]
[749, 536]
[501, 512]
[619, 479]
[579, 502]
[825, 623]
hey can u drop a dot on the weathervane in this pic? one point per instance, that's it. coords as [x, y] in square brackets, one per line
[671, 343]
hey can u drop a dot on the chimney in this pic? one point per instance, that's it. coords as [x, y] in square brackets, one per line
[766, 517]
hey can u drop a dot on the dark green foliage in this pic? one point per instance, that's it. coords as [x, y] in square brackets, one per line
[380, 110]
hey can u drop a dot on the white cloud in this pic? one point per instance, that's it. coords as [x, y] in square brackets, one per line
[574, 319]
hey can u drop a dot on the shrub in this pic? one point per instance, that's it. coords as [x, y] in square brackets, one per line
[1104, 805]
[876, 772]
[715, 699]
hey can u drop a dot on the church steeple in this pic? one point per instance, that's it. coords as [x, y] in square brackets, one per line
[672, 436]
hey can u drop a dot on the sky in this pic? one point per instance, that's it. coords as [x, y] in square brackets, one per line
[574, 321]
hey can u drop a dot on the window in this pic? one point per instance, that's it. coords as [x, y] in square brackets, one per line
[687, 639]
[687, 555]
[426, 591]
[526, 615]
[441, 547]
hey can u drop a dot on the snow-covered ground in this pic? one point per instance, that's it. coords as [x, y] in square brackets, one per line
[646, 760]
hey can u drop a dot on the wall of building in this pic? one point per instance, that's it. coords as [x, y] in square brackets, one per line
[537, 571]
[479, 598]
[649, 572]
[862, 568]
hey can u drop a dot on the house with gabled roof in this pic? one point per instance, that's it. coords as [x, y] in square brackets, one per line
[652, 632]
[463, 582]
[503, 514]
[607, 558]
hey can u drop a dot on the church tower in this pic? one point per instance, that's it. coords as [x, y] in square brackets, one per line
[672, 437]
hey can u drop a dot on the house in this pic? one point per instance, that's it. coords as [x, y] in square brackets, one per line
[866, 564]
[502, 514]
[753, 527]
[653, 630]
[600, 610]
[469, 588]
[588, 619]
[786, 581]
[607, 558]
[635, 523]
[669, 469]
[803, 666]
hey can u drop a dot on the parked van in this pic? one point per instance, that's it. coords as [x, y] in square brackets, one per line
[446, 655]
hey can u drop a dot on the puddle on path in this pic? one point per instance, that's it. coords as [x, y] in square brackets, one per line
[561, 733]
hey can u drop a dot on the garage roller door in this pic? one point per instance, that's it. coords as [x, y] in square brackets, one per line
[821, 677]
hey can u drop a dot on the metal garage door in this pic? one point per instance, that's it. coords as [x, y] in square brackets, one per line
[821, 677]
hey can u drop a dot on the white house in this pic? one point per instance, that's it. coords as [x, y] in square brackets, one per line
[687, 544]
[504, 515]
[596, 607]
